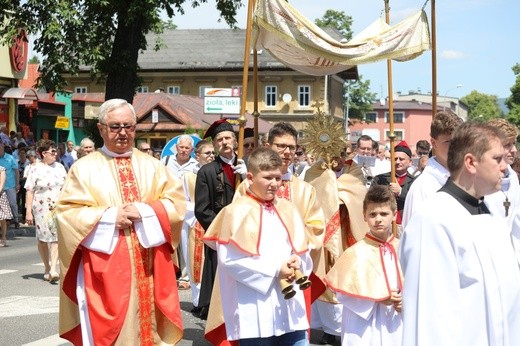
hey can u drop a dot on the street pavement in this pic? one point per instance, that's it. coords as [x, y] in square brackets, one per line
[29, 305]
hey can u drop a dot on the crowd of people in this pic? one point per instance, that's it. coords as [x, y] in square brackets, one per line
[276, 244]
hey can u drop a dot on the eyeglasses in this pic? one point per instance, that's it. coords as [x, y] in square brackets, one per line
[145, 149]
[422, 153]
[115, 128]
[208, 153]
[281, 147]
[52, 151]
[299, 153]
[249, 145]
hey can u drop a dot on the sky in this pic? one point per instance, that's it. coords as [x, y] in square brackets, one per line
[478, 42]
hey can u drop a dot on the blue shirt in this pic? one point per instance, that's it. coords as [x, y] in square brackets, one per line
[11, 168]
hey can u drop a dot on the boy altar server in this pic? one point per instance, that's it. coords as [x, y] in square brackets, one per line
[367, 277]
[261, 240]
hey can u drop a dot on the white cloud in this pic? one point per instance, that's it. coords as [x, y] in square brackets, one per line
[452, 55]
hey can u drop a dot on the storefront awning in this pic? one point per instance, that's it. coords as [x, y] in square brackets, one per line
[20, 93]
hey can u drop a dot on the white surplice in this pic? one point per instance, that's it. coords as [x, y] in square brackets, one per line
[495, 202]
[462, 281]
[432, 178]
[251, 296]
[370, 323]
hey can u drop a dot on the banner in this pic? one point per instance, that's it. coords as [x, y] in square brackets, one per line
[303, 46]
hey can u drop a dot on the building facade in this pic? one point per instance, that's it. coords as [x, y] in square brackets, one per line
[13, 65]
[412, 121]
[190, 61]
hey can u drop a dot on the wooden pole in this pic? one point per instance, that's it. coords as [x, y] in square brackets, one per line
[391, 114]
[245, 75]
[256, 113]
[434, 60]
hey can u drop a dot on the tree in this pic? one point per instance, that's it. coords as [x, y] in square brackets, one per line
[338, 20]
[481, 106]
[34, 60]
[359, 99]
[513, 101]
[106, 35]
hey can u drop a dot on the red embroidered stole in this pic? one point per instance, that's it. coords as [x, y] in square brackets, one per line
[130, 194]
[198, 252]
[285, 190]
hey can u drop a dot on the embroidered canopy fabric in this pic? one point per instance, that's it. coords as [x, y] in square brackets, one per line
[303, 46]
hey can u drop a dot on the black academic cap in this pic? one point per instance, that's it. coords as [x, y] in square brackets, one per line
[249, 132]
[217, 127]
[404, 148]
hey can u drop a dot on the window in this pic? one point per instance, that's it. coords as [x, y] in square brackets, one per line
[304, 95]
[371, 117]
[174, 89]
[157, 143]
[399, 135]
[80, 90]
[398, 117]
[202, 88]
[142, 89]
[271, 95]
[236, 90]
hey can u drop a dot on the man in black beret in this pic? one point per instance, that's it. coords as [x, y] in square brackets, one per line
[214, 189]
[403, 160]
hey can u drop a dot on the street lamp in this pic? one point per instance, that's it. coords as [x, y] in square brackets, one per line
[446, 94]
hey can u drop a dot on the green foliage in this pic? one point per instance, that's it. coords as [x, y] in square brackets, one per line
[481, 107]
[92, 132]
[338, 20]
[34, 60]
[359, 98]
[513, 101]
[103, 34]
[514, 115]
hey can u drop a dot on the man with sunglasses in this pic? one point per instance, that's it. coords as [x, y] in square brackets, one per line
[146, 148]
[249, 142]
[119, 218]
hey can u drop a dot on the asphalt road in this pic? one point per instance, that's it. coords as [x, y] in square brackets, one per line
[29, 305]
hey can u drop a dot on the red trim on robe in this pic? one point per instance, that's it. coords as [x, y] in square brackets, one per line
[165, 286]
[218, 337]
[74, 336]
[107, 287]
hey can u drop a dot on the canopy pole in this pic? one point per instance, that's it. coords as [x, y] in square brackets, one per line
[391, 135]
[256, 113]
[434, 60]
[245, 74]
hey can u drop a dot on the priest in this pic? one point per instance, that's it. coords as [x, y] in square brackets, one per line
[119, 219]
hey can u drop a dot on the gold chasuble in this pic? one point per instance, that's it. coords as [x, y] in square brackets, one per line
[341, 200]
[131, 293]
[360, 272]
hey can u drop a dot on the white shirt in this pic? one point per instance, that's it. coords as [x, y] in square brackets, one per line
[424, 186]
[178, 170]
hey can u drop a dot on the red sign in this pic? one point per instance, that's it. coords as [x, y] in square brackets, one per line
[18, 51]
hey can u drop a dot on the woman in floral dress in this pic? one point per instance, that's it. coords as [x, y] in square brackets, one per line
[43, 186]
[5, 209]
